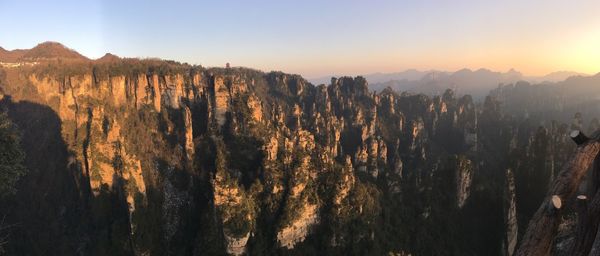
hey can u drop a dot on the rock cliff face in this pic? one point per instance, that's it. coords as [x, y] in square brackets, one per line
[165, 158]
[510, 215]
[464, 179]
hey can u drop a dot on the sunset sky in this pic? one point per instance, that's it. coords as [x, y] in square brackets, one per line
[321, 37]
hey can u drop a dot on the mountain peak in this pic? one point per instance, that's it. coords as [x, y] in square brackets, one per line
[562, 75]
[50, 44]
[52, 50]
[464, 71]
[109, 57]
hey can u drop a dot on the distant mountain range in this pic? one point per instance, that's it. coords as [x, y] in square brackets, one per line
[43, 51]
[465, 81]
[48, 51]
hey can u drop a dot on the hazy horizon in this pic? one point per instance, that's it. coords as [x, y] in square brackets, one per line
[318, 39]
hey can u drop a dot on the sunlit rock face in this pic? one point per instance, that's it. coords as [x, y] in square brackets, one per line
[221, 99]
[189, 132]
[297, 231]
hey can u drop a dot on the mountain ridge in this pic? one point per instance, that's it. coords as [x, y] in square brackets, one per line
[415, 74]
[48, 50]
[403, 80]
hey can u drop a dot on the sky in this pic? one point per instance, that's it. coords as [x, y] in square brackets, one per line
[321, 37]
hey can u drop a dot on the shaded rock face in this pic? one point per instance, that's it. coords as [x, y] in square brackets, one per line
[162, 158]
[510, 215]
[464, 179]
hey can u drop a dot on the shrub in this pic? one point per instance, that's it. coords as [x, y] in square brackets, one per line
[11, 157]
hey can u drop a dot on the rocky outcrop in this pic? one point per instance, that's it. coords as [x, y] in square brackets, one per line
[117, 88]
[189, 132]
[299, 228]
[236, 246]
[464, 179]
[510, 215]
[156, 92]
[255, 107]
[234, 209]
[301, 205]
[345, 183]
